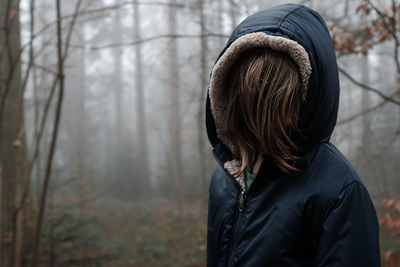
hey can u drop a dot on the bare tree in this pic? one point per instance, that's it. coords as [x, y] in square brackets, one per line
[140, 105]
[12, 132]
[203, 89]
[118, 85]
[62, 52]
[175, 118]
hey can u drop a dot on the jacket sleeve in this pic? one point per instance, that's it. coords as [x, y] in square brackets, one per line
[350, 232]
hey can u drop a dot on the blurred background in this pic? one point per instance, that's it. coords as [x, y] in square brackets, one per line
[103, 150]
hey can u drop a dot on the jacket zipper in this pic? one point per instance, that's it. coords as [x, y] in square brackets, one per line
[241, 208]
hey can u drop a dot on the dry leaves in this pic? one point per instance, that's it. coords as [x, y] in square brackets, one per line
[12, 13]
[377, 30]
[17, 143]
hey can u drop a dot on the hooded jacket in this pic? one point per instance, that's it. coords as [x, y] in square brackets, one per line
[319, 216]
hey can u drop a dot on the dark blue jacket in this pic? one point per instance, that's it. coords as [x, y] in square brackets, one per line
[320, 216]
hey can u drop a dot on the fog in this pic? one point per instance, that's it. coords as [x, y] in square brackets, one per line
[127, 181]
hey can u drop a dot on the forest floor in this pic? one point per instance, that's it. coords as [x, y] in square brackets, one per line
[152, 233]
[112, 232]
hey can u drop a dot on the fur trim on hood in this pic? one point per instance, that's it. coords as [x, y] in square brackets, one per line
[225, 62]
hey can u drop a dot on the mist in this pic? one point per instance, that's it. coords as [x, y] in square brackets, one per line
[104, 154]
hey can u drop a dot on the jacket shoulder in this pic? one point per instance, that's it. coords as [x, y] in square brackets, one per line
[328, 174]
[343, 206]
[330, 170]
[330, 178]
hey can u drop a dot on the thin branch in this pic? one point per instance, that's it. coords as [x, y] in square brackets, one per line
[41, 67]
[100, 10]
[37, 145]
[30, 64]
[7, 46]
[393, 31]
[19, 119]
[362, 113]
[117, 6]
[61, 57]
[8, 55]
[368, 88]
[64, 53]
[154, 38]
[395, 37]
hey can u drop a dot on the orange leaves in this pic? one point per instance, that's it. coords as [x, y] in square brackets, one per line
[343, 40]
[392, 204]
[12, 13]
[348, 42]
[391, 220]
[395, 8]
[375, 27]
[398, 81]
[380, 27]
[388, 254]
[386, 36]
[364, 7]
[365, 48]
[17, 143]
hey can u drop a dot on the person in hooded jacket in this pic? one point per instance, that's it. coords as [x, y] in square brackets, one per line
[282, 194]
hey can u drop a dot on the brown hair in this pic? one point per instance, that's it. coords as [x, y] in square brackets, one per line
[264, 96]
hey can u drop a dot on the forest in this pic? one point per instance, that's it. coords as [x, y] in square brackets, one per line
[104, 155]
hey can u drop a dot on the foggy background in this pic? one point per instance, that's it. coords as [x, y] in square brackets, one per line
[128, 176]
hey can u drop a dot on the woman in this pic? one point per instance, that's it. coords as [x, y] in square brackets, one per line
[282, 195]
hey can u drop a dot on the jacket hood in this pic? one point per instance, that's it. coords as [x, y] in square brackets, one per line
[303, 34]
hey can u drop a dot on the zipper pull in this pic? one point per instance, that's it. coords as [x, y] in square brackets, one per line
[241, 201]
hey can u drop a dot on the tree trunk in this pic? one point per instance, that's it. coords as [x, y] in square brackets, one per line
[140, 108]
[118, 169]
[118, 88]
[61, 56]
[12, 134]
[74, 118]
[203, 89]
[175, 120]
